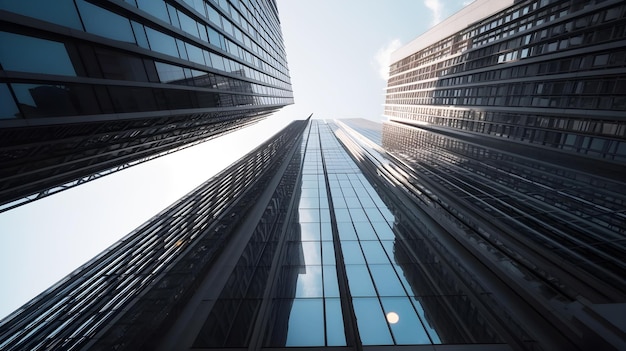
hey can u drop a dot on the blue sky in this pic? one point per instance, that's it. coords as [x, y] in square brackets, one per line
[336, 51]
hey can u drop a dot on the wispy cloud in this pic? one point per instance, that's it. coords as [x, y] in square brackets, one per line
[465, 3]
[383, 57]
[435, 6]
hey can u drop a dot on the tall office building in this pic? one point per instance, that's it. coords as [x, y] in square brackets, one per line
[546, 73]
[88, 87]
[507, 124]
[320, 238]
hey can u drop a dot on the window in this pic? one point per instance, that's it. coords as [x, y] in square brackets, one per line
[25, 55]
[105, 23]
[61, 12]
[8, 109]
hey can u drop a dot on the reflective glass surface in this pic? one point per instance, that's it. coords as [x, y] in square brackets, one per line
[105, 23]
[7, 105]
[23, 53]
[62, 12]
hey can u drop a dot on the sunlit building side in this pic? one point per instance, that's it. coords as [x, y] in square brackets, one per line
[506, 123]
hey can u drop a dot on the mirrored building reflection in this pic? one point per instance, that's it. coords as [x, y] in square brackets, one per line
[92, 87]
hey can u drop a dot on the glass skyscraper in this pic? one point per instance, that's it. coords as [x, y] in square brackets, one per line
[323, 238]
[91, 87]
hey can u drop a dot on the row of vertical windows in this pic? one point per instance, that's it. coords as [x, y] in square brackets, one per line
[552, 131]
[557, 37]
[66, 99]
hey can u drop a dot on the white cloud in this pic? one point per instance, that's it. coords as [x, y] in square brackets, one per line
[383, 57]
[465, 3]
[435, 6]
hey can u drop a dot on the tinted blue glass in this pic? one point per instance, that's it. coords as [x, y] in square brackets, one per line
[162, 43]
[312, 252]
[140, 35]
[195, 54]
[342, 215]
[327, 232]
[214, 37]
[374, 253]
[309, 215]
[309, 202]
[60, 12]
[365, 231]
[371, 321]
[8, 109]
[310, 231]
[331, 289]
[309, 283]
[182, 52]
[358, 215]
[386, 280]
[154, 7]
[352, 252]
[359, 280]
[353, 202]
[425, 323]
[217, 61]
[22, 53]
[188, 25]
[328, 253]
[405, 326]
[306, 323]
[105, 23]
[383, 230]
[335, 335]
[169, 73]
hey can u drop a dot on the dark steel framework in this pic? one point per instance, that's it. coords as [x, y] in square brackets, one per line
[80, 99]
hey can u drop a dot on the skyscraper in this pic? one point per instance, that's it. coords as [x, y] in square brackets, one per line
[507, 125]
[545, 73]
[91, 87]
[321, 238]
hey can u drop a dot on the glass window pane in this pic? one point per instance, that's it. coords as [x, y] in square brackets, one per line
[406, 327]
[359, 280]
[8, 109]
[41, 100]
[154, 7]
[335, 335]
[331, 289]
[346, 231]
[328, 253]
[188, 25]
[371, 322]
[22, 53]
[386, 280]
[61, 12]
[327, 231]
[365, 231]
[310, 231]
[312, 252]
[105, 23]
[195, 54]
[352, 252]
[162, 43]
[306, 323]
[170, 73]
[309, 280]
[383, 230]
[374, 253]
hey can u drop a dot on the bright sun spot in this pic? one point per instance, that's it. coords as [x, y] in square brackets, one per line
[393, 317]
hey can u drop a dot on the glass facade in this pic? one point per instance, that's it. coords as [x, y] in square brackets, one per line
[325, 238]
[128, 80]
[549, 73]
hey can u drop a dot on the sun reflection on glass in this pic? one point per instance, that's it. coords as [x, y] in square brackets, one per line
[393, 317]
